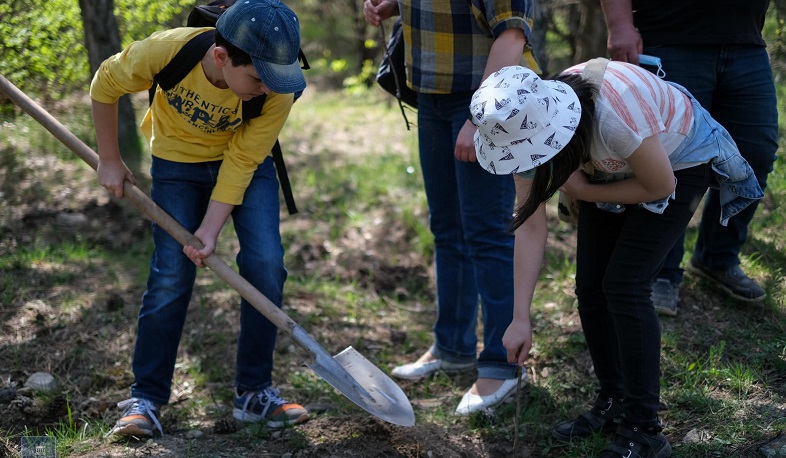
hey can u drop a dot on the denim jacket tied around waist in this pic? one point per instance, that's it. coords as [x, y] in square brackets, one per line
[707, 141]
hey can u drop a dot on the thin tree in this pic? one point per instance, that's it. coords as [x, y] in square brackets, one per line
[102, 40]
[588, 26]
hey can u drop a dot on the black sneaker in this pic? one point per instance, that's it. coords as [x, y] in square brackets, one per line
[604, 416]
[732, 280]
[633, 442]
[665, 297]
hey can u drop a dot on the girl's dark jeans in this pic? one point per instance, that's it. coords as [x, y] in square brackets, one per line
[618, 256]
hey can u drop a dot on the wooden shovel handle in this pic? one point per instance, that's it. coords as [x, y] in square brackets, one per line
[153, 211]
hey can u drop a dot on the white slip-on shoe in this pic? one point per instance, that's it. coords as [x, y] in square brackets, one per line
[472, 402]
[419, 370]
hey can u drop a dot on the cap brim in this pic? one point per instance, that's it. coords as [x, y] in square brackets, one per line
[282, 79]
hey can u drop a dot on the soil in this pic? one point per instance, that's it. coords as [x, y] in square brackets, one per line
[47, 201]
[77, 321]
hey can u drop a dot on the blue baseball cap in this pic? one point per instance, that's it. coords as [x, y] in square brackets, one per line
[269, 32]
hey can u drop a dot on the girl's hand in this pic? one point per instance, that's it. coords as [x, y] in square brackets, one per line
[518, 341]
[576, 184]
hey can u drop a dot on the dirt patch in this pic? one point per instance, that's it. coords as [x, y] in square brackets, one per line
[76, 320]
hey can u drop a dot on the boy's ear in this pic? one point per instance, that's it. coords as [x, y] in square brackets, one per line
[221, 56]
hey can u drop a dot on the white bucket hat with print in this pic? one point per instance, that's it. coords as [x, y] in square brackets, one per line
[523, 121]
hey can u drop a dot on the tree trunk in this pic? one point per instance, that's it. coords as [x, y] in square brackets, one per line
[360, 29]
[544, 9]
[587, 25]
[102, 40]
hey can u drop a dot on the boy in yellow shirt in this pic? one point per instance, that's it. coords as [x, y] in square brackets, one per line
[208, 163]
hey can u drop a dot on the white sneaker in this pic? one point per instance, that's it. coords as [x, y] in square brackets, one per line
[419, 370]
[472, 402]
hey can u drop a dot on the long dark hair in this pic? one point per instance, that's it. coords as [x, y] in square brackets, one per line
[552, 174]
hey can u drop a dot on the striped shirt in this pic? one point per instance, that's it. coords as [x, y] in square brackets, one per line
[635, 104]
[448, 41]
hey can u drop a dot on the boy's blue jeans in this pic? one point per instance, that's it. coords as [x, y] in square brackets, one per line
[735, 84]
[183, 190]
[469, 214]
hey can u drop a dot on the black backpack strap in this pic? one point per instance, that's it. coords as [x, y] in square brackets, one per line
[283, 178]
[252, 109]
[301, 56]
[183, 62]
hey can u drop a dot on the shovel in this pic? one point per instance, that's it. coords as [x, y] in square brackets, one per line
[348, 372]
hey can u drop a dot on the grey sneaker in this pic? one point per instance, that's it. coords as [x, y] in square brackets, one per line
[732, 280]
[140, 418]
[665, 297]
[267, 406]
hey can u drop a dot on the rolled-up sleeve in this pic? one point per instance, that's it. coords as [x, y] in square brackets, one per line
[502, 15]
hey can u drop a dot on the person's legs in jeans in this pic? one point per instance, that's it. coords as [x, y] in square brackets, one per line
[486, 207]
[183, 191]
[619, 322]
[745, 104]
[694, 68]
[470, 211]
[734, 83]
[261, 262]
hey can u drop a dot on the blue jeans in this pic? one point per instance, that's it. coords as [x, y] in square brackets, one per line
[617, 257]
[183, 191]
[734, 83]
[469, 214]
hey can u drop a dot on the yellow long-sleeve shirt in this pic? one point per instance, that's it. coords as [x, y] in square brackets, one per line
[194, 121]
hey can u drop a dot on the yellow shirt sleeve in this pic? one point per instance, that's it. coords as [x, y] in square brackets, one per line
[194, 121]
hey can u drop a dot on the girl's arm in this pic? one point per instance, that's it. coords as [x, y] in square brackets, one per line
[653, 180]
[527, 261]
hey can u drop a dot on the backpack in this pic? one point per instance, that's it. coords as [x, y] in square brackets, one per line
[391, 75]
[191, 54]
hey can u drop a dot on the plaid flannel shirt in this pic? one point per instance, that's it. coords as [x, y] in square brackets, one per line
[448, 41]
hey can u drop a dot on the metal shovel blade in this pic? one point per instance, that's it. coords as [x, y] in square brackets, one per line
[360, 381]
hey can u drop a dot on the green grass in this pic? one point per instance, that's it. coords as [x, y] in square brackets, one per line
[364, 221]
